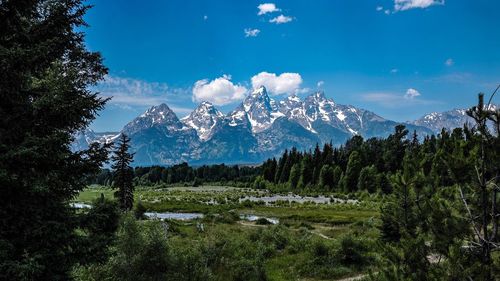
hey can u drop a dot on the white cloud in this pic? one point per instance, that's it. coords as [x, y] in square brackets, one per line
[219, 91]
[130, 93]
[449, 62]
[281, 19]
[267, 8]
[251, 32]
[411, 94]
[395, 100]
[394, 70]
[379, 8]
[403, 5]
[205, 17]
[387, 12]
[320, 83]
[278, 84]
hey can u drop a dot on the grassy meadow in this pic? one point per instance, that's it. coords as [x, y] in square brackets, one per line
[307, 243]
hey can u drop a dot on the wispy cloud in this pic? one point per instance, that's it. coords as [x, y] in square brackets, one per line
[456, 77]
[249, 32]
[394, 100]
[403, 5]
[129, 92]
[281, 19]
[267, 8]
[394, 70]
[449, 62]
[381, 9]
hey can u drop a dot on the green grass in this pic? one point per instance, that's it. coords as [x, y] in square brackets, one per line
[92, 193]
[319, 222]
[283, 267]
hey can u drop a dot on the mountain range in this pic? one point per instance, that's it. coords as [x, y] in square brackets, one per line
[258, 128]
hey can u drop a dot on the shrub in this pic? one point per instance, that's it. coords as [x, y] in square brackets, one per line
[139, 211]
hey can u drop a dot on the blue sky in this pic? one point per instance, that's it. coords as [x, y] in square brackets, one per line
[398, 58]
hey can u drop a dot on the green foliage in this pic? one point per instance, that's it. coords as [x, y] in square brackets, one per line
[259, 183]
[139, 211]
[437, 223]
[123, 174]
[326, 177]
[350, 179]
[45, 73]
[368, 179]
[295, 176]
[338, 259]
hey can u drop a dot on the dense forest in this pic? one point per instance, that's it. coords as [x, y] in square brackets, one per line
[184, 174]
[359, 165]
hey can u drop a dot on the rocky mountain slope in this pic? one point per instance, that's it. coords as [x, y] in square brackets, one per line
[258, 128]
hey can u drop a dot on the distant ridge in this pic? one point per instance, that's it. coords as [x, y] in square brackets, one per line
[258, 128]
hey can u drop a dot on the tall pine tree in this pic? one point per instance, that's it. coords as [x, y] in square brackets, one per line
[123, 173]
[45, 74]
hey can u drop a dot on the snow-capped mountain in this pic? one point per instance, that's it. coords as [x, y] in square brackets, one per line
[160, 115]
[204, 119]
[258, 128]
[335, 122]
[448, 119]
[455, 118]
[261, 110]
[83, 139]
[159, 137]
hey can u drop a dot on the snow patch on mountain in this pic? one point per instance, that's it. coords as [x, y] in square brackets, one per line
[204, 119]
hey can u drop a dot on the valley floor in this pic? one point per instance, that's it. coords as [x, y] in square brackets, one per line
[309, 240]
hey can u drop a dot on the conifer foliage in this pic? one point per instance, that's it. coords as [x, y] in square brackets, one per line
[123, 173]
[45, 74]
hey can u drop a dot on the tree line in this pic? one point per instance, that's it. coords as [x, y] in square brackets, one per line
[183, 174]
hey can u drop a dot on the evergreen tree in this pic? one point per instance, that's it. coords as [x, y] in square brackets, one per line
[281, 165]
[383, 183]
[269, 169]
[285, 174]
[306, 172]
[45, 74]
[350, 179]
[123, 174]
[395, 147]
[295, 175]
[337, 175]
[326, 177]
[368, 179]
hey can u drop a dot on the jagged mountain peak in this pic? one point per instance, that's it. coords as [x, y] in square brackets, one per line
[448, 119]
[259, 91]
[258, 128]
[159, 115]
[207, 108]
[260, 109]
[204, 119]
[293, 98]
[258, 96]
[318, 95]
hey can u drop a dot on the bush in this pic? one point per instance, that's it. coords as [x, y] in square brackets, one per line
[352, 252]
[139, 211]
